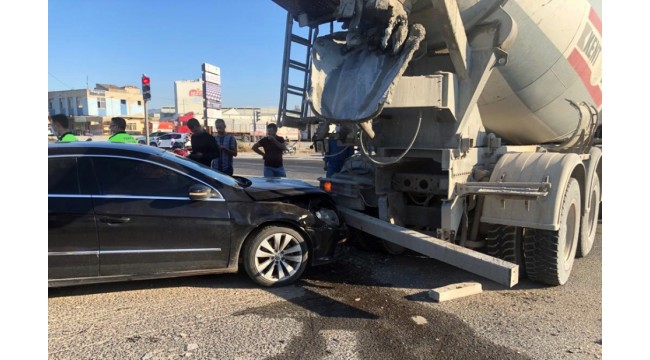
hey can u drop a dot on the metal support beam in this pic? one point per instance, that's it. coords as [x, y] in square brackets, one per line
[500, 271]
[523, 189]
[451, 25]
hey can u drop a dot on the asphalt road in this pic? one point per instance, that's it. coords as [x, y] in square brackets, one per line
[367, 306]
[305, 166]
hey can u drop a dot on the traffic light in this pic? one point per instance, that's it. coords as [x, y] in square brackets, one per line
[146, 89]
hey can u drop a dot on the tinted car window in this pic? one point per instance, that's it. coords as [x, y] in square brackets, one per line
[119, 176]
[62, 176]
[176, 136]
[165, 137]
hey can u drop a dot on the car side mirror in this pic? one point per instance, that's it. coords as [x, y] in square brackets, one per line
[200, 192]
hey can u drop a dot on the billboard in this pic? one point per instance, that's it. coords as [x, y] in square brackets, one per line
[211, 92]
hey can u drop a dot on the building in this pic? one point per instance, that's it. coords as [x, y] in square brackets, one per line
[253, 120]
[168, 113]
[245, 119]
[189, 97]
[93, 109]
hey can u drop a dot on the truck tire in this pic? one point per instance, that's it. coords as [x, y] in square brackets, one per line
[372, 243]
[275, 256]
[506, 243]
[549, 254]
[247, 138]
[391, 248]
[365, 241]
[589, 223]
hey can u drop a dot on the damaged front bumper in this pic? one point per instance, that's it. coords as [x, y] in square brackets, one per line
[329, 243]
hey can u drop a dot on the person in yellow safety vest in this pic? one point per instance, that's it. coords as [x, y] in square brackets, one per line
[60, 124]
[118, 129]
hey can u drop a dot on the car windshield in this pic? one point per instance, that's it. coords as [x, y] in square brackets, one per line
[208, 171]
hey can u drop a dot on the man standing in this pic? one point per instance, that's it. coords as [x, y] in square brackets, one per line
[60, 125]
[335, 152]
[118, 131]
[204, 146]
[273, 146]
[228, 147]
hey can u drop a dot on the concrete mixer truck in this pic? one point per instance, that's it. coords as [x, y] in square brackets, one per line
[473, 121]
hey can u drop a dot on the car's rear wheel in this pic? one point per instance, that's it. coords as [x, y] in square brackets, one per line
[276, 256]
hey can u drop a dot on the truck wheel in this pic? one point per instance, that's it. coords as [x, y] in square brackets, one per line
[391, 248]
[549, 254]
[247, 138]
[276, 256]
[589, 223]
[365, 241]
[506, 243]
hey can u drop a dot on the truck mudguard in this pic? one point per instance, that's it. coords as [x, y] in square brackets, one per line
[594, 167]
[540, 212]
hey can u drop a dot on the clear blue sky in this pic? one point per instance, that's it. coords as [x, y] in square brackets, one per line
[116, 41]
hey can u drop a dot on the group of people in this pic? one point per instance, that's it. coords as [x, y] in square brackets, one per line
[213, 151]
[218, 151]
[61, 124]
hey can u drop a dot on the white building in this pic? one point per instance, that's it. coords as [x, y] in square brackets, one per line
[189, 97]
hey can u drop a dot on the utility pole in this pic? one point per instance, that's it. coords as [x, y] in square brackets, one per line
[254, 125]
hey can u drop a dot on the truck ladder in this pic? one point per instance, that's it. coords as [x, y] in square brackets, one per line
[292, 117]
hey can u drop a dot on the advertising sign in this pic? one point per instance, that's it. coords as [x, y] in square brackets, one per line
[211, 90]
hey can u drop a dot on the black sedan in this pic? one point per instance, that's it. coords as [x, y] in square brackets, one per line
[127, 212]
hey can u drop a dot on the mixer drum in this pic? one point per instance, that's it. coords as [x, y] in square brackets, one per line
[555, 56]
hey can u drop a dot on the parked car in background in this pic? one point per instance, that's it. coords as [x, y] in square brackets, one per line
[167, 140]
[121, 212]
[153, 138]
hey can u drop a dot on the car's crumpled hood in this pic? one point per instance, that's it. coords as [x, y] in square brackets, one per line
[275, 188]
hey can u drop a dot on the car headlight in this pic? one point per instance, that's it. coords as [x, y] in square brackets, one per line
[328, 216]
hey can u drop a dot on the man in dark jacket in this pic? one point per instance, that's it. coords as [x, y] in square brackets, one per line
[273, 146]
[204, 145]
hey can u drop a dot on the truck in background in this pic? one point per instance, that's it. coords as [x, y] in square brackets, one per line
[475, 122]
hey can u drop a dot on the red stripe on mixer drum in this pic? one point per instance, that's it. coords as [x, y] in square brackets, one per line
[581, 67]
[595, 21]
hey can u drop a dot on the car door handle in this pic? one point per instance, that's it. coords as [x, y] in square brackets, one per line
[114, 220]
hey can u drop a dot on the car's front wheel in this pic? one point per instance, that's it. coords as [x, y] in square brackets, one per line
[276, 256]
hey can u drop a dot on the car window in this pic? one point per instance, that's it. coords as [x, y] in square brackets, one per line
[205, 170]
[62, 176]
[165, 137]
[119, 176]
[176, 136]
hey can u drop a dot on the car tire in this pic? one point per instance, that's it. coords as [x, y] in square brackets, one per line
[275, 256]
